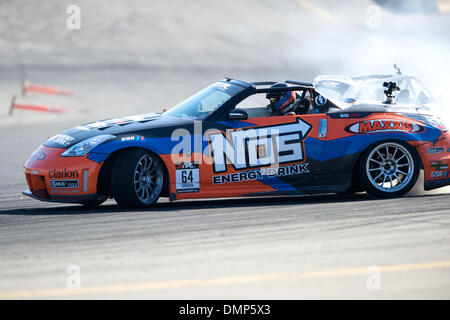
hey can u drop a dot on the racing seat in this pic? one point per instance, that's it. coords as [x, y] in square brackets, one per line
[300, 106]
[303, 106]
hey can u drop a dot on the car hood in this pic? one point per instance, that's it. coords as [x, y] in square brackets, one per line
[149, 124]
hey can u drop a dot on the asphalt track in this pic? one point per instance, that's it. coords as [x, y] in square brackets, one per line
[308, 247]
[295, 247]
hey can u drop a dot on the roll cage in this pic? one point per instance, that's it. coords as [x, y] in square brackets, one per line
[251, 88]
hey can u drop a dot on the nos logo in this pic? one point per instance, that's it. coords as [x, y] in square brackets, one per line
[257, 147]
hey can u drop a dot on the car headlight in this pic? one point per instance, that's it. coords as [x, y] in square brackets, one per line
[84, 147]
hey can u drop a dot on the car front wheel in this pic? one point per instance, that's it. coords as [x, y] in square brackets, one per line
[137, 179]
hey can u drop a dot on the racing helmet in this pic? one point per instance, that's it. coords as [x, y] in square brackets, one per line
[280, 100]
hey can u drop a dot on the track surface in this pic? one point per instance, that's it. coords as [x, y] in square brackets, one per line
[291, 247]
[210, 240]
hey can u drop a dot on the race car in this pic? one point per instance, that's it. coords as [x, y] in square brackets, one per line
[222, 142]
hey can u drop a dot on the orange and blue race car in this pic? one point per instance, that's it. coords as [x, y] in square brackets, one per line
[222, 142]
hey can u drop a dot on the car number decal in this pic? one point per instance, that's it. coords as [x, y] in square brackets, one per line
[187, 177]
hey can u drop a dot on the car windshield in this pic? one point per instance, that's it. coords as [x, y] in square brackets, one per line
[205, 102]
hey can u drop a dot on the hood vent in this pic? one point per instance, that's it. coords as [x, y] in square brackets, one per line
[124, 123]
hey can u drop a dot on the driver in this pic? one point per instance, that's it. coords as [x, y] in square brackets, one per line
[282, 103]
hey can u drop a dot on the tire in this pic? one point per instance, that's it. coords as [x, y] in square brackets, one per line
[389, 169]
[137, 179]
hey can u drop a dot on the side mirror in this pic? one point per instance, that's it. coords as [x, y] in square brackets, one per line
[238, 114]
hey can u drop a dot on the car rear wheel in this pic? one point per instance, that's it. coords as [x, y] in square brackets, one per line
[389, 169]
[137, 179]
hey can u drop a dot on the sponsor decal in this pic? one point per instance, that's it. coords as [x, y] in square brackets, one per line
[373, 126]
[187, 177]
[186, 165]
[438, 165]
[320, 100]
[62, 139]
[435, 150]
[259, 147]
[65, 190]
[132, 138]
[64, 174]
[38, 155]
[439, 174]
[350, 115]
[64, 184]
[258, 174]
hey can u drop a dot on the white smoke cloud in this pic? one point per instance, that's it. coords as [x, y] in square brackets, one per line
[371, 42]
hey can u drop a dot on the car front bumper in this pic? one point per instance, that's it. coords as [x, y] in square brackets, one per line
[51, 177]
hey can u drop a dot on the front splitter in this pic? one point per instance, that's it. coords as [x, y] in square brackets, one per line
[63, 198]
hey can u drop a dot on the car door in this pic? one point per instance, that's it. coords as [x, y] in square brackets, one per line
[262, 155]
